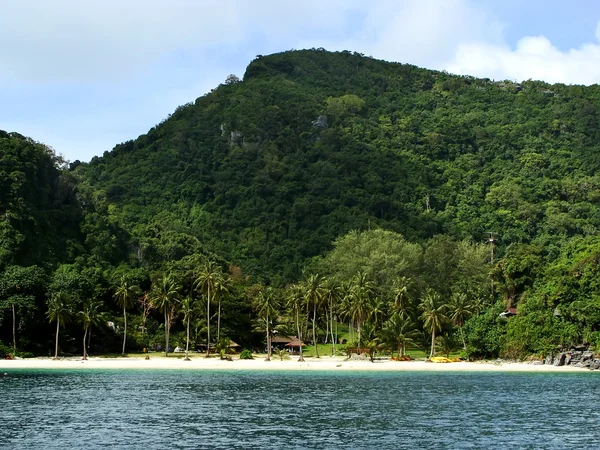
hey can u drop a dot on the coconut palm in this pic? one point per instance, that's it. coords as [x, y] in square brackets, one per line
[398, 332]
[208, 279]
[460, 310]
[90, 315]
[265, 305]
[362, 291]
[332, 296]
[222, 290]
[297, 303]
[164, 295]
[59, 311]
[314, 293]
[433, 315]
[189, 309]
[125, 296]
[402, 297]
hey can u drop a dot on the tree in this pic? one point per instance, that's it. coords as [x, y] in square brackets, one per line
[208, 280]
[59, 311]
[297, 303]
[189, 309]
[164, 295]
[90, 315]
[314, 292]
[18, 286]
[265, 305]
[402, 298]
[125, 295]
[398, 332]
[362, 291]
[460, 310]
[433, 315]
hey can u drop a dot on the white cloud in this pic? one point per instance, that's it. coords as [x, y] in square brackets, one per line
[533, 57]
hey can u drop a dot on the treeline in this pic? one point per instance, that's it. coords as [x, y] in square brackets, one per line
[330, 170]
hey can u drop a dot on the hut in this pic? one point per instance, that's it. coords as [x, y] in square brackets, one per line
[294, 346]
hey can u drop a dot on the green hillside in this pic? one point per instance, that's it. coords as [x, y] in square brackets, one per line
[322, 186]
[249, 172]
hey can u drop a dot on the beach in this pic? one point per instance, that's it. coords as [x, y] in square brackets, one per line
[327, 363]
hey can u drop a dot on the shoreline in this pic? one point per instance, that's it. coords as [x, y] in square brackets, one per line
[338, 364]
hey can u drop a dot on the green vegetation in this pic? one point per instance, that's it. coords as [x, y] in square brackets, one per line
[325, 189]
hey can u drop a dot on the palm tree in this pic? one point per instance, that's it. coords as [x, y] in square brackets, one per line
[222, 289]
[398, 332]
[125, 295]
[433, 315]
[314, 292]
[189, 309]
[332, 296]
[89, 316]
[460, 310]
[297, 303]
[59, 310]
[265, 306]
[362, 291]
[164, 295]
[207, 281]
[402, 297]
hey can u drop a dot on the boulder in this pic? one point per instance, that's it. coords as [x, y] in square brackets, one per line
[560, 359]
[567, 359]
[549, 359]
[587, 356]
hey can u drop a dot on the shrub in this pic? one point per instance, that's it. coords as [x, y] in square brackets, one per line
[246, 354]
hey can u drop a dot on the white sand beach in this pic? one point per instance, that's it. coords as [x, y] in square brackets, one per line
[326, 363]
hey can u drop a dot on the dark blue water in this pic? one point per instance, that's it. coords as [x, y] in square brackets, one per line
[197, 409]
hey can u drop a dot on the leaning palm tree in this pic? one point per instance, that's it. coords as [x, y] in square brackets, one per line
[314, 293]
[433, 315]
[90, 315]
[222, 290]
[164, 295]
[208, 279]
[125, 296]
[59, 311]
[265, 305]
[189, 309]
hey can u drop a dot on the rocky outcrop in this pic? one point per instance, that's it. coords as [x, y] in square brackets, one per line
[575, 358]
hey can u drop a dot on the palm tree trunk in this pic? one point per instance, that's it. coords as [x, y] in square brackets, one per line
[301, 359]
[432, 343]
[208, 323]
[84, 339]
[187, 343]
[219, 322]
[166, 333]
[268, 341]
[326, 326]
[314, 321]
[14, 324]
[124, 331]
[56, 343]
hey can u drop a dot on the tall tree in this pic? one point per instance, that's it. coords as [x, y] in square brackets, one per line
[460, 310]
[90, 315]
[297, 303]
[59, 311]
[189, 309]
[398, 332]
[265, 305]
[433, 315]
[164, 295]
[314, 293]
[125, 296]
[208, 280]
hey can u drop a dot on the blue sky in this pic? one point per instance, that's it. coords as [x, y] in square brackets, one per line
[83, 76]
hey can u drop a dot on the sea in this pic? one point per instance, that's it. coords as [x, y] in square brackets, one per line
[164, 409]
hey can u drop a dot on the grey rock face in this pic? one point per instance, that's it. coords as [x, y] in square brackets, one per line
[321, 122]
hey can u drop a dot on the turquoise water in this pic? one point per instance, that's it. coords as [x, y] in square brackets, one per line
[197, 409]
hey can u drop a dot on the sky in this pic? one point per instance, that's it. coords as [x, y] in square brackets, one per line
[83, 76]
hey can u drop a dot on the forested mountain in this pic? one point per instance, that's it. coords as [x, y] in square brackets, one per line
[273, 174]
